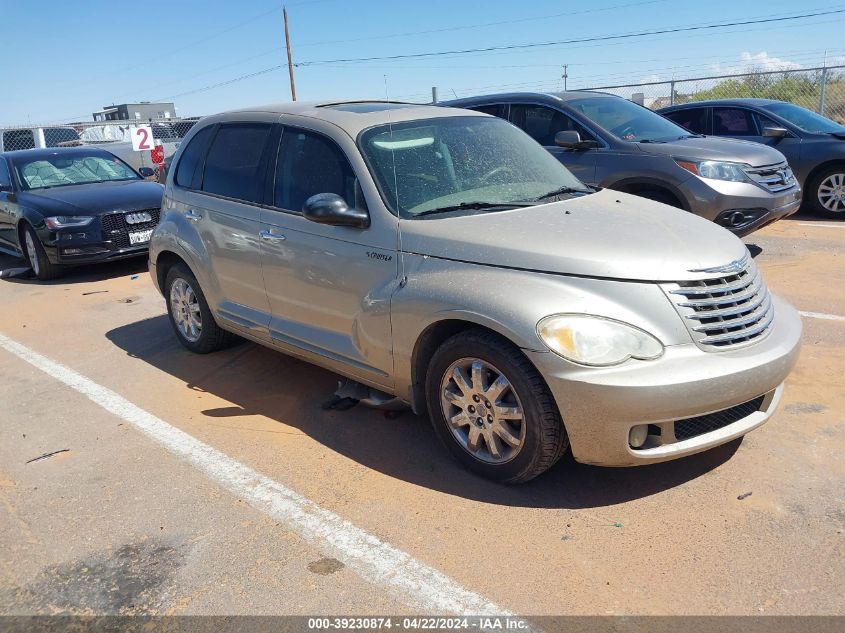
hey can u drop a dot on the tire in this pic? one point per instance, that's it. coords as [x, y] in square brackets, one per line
[190, 315]
[34, 251]
[540, 433]
[828, 184]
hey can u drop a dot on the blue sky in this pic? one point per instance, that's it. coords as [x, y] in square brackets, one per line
[63, 60]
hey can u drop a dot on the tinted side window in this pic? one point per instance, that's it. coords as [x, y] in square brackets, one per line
[58, 136]
[5, 176]
[764, 121]
[733, 122]
[692, 119]
[18, 139]
[192, 157]
[542, 123]
[497, 109]
[308, 164]
[233, 167]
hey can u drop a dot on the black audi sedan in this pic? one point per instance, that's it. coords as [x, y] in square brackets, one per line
[74, 205]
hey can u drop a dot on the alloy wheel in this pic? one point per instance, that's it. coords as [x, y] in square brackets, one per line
[185, 308]
[31, 253]
[831, 193]
[483, 410]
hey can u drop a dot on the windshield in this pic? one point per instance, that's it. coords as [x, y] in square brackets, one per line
[805, 119]
[431, 164]
[58, 170]
[627, 120]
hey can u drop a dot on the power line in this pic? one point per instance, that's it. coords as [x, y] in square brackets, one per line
[603, 38]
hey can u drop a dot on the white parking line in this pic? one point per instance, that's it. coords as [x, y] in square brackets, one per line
[414, 583]
[822, 225]
[822, 315]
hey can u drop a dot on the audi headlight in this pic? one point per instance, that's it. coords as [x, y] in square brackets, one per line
[596, 341]
[715, 169]
[67, 221]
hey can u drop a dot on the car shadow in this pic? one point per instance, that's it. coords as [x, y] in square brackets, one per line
[260, 381]
[18, 271]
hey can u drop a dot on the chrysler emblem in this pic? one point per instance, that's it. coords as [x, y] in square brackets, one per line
[736, 266]
[138, 217]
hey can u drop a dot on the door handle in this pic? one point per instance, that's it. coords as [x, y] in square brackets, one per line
[193, 215]
[270, 236]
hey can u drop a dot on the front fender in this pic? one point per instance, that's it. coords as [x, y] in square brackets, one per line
[511, 303]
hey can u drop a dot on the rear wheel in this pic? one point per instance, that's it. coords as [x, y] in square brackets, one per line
[41, 265]
[826, 192]
[492, 409]
[190, 315]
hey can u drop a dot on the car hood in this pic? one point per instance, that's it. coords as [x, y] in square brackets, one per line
[95, 198]
[607, 234]
[713, 148]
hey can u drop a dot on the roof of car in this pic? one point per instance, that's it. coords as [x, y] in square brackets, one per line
[712, 102]
[353, 116]
[567, 95]
[35, 154]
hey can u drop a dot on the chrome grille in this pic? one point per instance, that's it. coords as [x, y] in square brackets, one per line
[724, 311]
[772, 178]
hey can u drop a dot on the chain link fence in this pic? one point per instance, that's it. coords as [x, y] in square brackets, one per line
[156, 145]
[819, 89]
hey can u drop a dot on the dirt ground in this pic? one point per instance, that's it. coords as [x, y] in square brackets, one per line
[116, 524]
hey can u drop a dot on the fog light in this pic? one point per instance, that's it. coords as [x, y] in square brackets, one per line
[638, 435]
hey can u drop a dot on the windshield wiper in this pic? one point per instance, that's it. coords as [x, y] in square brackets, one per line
[472, 205]
[561, 191]
[649, 140]
[681, 138]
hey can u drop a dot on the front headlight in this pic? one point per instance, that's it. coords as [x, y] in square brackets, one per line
[715, 169]
[67, 221]
[597, 341]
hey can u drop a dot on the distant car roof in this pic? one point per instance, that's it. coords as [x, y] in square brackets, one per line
[569, 95]
[351, 116]
[35, 154]
[722, 102]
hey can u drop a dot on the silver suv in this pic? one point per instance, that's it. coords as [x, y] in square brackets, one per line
[442, 259]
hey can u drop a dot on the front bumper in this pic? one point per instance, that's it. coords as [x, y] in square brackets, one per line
[718, 200]
[599, 406]
[107, 238]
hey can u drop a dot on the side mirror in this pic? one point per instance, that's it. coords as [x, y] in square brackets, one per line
[330, 208]
[570, 139]
[5, 188]
[775, 132]
[146, 172]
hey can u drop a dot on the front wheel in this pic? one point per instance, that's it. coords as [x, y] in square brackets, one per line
[826, 192]
[492, 408]
[190, 315]
[41, 265]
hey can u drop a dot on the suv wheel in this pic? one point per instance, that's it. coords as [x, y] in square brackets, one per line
[41, 265]
[826, 192]
[492, 409]
[190, 315]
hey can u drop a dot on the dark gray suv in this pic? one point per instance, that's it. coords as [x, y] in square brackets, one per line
[814, 145]
[608, 141]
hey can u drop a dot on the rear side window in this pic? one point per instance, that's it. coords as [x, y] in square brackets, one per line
[192, 157]
[733, 122]
[542, 123]
[60, 136]
[18, 139]
[497, 109]
[233, 167]
[692, 119]
[308, 164]
[5, 176]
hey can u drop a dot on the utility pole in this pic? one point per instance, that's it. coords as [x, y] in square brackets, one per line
[565, 75]
[290, 62]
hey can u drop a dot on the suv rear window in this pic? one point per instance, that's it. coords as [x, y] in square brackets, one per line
[59, 136]
[233, 165]
[18, 139]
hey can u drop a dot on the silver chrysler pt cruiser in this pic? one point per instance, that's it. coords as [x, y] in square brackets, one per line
[442, 259]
